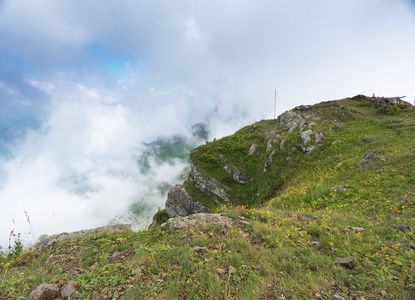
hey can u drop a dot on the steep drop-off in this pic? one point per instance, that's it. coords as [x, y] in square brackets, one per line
[259, 161]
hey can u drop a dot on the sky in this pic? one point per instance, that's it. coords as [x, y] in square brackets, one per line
[84, 83]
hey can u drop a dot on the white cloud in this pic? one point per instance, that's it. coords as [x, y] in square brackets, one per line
[193, 32]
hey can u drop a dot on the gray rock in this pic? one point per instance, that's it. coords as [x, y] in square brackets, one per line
[336, 142]
[339, 187]
[237, 175]
[367, 139]
[50, 240]
[337, 297]
[252, 149]
[347, 262]
[207, 184]
[303, 107]
[200, 250]
[45, 292]
[68, 290]
[404, 228]
[270, 144]
[365, 160]
[358, 229]
[319, 137]
[292, 120]
[288, 159]
[56, 258]
[282, 145]
[306, 136]
[316, 245]
[180, 203]
[198, 220]
[117, 257]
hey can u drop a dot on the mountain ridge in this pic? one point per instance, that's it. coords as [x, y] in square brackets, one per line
[318, 204]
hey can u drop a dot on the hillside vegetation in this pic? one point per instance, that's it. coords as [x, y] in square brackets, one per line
[319, 207]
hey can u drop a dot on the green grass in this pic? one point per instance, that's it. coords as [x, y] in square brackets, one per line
[272, 253]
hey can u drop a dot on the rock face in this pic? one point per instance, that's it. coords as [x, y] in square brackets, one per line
[179, 203]
[207, 184]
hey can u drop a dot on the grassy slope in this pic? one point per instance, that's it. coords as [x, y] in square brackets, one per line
[296, 206]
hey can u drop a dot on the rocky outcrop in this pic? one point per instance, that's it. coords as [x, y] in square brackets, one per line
[180, 203]
[198, 220]
[292, 120]
[365, 160]
[50, 240]
[237, 175]
[384, 102]
[252, 149]
[209, 184]
[306, 136]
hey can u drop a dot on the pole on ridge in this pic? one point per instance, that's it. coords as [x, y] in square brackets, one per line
[275, 105]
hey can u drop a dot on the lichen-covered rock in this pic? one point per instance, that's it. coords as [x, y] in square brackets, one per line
[365, 160]
[237, 175]
[49, 240]
[292, 120]
[306, 136]
[252, 149]
[197, 220]
[207, 184]
[179, 203]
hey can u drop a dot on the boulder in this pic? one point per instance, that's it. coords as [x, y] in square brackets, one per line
[365, 160]
[69, 291]
[316, 245]
[347, 262]
[292, 120]
[45, 292]
[319, 137]
[200, 250]
[404, 228]
[306, 136]
[198, 220]
[180, 203]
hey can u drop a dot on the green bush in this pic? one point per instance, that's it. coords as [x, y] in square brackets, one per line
[161, 216]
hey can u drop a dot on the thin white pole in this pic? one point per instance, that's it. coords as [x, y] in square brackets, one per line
[275, 105]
